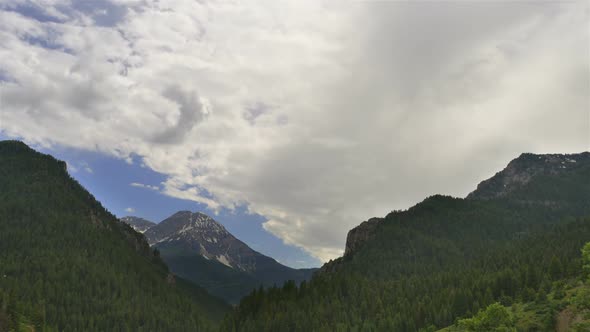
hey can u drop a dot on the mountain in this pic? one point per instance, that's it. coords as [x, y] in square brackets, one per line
[205, 236]
[67, 264]
[200, 249]
[139, 224]
[556, 183]
[522, 170]
[218, 279]
[514, 239]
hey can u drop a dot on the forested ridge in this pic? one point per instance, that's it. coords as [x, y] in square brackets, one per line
[441, 260]
[67, 264]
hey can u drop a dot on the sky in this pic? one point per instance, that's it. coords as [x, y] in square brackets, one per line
[292, 121]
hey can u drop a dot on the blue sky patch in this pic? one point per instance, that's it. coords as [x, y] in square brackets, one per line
[32, 11]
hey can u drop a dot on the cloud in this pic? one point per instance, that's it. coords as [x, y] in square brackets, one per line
[76, 167]
[191, 111]
[84, 165]
[129, 210]
[146, 186]
[72, 168]
[316, 115]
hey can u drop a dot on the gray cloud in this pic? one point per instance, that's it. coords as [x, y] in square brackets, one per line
[192, 111]
[255, 110]
[373, 106]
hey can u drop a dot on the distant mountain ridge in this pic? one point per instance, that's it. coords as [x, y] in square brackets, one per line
[138, 224]
[204, 235]
[523, 169]
[200, 249]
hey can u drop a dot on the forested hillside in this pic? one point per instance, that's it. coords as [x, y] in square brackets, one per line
[565, 306]
[445, 258]
[67, 264]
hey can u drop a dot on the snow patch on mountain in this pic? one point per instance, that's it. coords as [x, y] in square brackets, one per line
[223, 260]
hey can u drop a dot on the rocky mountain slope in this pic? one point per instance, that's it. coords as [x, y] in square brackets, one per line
[526, 167]
[206, 236]
[139, 224]
[360, 234]
[200, 249]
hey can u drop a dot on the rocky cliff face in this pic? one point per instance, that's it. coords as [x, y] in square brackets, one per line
[360, 234]
[521, 170]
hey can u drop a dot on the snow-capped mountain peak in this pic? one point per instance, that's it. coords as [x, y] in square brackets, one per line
[203, 234]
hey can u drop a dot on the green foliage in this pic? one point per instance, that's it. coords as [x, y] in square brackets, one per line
[586, 259]
[67, 264]
[581, 327]
[582, 299]
[495, 318]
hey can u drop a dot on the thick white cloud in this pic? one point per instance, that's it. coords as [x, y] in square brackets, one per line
[317, 115]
